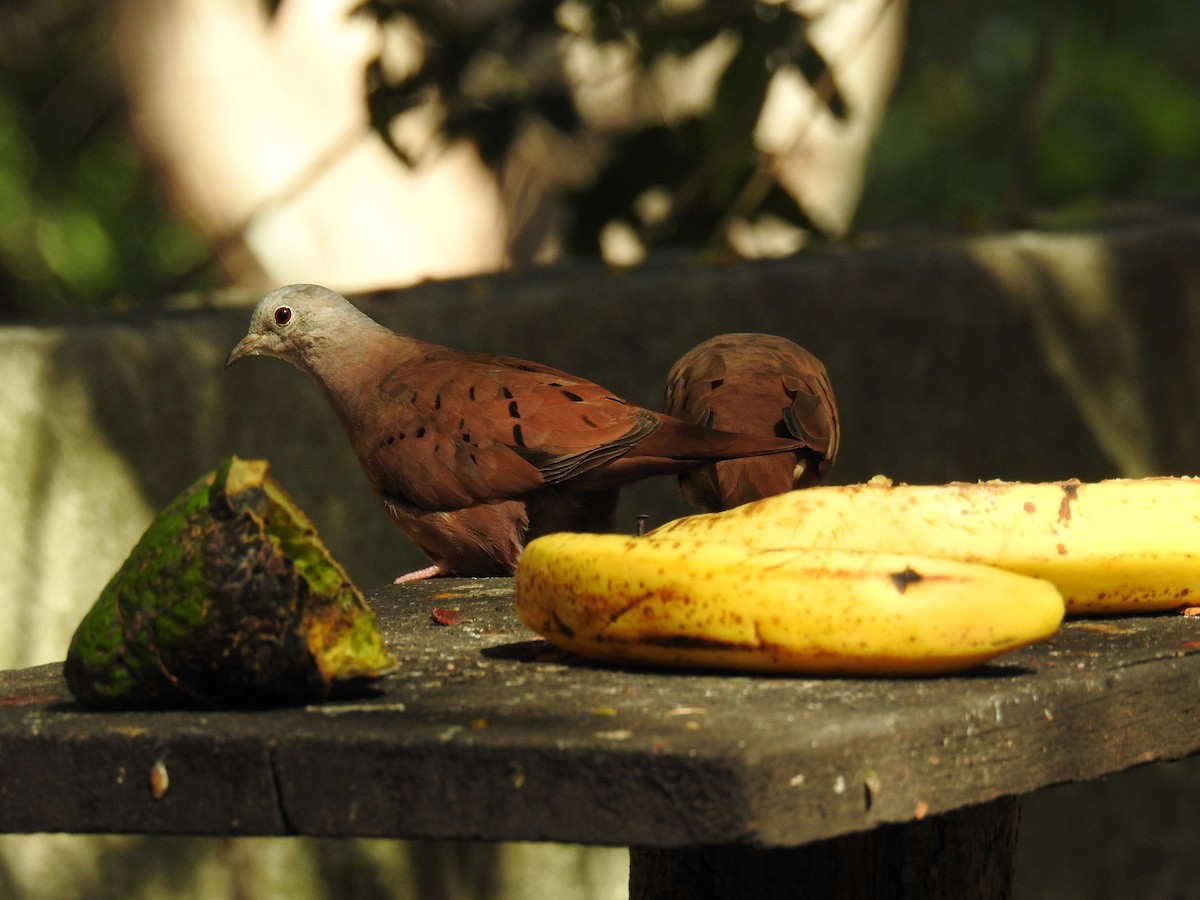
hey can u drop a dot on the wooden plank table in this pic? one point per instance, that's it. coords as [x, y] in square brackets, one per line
[725, 785]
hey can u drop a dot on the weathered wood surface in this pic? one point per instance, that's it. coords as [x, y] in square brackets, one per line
[485, 732]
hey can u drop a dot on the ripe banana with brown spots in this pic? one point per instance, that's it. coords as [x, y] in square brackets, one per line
[676, 602]
[1117, 546]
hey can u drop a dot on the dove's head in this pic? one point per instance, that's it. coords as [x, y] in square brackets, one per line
[296, 322]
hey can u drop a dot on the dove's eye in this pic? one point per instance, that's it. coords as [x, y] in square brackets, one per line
[283, 315]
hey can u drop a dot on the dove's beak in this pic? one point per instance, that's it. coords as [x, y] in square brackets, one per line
[246, 347]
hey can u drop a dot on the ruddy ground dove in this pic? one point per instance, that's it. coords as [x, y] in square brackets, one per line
[755, 384]
[473, 455]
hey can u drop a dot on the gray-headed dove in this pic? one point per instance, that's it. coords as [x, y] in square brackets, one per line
[473, 455]
[755, 384]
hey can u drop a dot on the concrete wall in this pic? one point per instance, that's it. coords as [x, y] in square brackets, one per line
[1023, 356]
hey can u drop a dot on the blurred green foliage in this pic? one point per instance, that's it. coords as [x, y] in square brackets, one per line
[83, 226]
[1021, 112]
[1035, 113]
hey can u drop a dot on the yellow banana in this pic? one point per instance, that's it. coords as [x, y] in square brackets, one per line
[681, 603]
[1125, 545]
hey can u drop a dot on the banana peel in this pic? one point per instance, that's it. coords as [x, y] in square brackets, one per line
[681, 603]
[229, 598]
[869, 579]
[1115, 546]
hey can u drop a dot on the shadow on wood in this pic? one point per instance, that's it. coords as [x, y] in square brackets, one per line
[967, 853]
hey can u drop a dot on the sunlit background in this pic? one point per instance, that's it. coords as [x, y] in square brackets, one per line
[149, 147]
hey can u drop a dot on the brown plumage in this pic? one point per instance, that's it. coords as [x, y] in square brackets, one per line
[755, 384]
[473, 455]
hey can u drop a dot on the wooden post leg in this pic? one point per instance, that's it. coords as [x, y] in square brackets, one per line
[965, 853]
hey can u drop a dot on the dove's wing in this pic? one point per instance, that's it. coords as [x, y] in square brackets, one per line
[451, 429]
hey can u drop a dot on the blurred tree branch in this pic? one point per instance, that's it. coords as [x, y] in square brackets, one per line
[705, 162]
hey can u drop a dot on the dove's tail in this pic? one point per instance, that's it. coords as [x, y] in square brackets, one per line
[677, 446]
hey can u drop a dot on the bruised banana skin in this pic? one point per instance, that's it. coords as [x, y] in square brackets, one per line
[1117, 546]
[696, 604]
